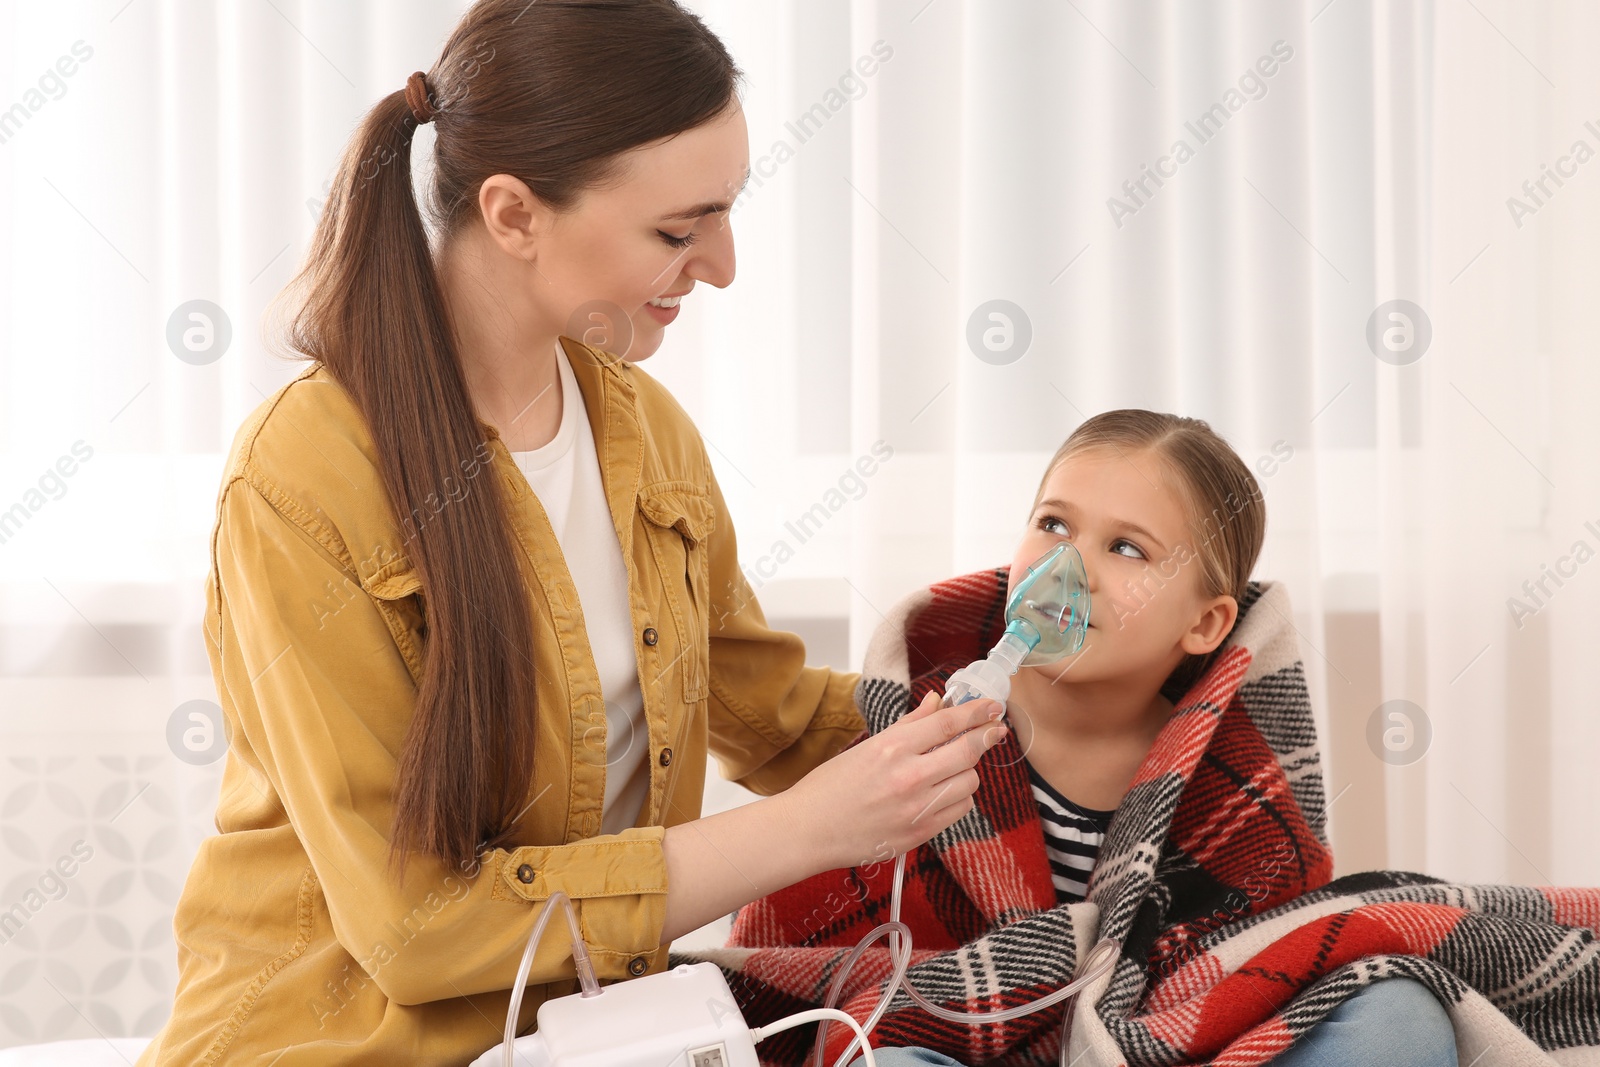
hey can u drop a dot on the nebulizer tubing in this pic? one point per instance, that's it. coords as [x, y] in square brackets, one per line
[580, 960]
[1047, 617]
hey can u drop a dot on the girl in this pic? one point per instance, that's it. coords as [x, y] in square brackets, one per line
[1169, 522]
[1144, 744]
[475, 612]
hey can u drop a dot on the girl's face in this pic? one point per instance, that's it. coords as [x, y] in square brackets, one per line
[1124, 515]
[654, 232]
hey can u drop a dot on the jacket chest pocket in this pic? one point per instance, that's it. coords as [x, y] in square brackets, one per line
[397, 589]
[678, 519]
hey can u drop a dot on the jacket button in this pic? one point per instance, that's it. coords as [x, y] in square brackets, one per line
[650, 635]
[525, 874]
[638, 965]
[666, 757]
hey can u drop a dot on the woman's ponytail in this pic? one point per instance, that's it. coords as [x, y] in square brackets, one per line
[375, 316]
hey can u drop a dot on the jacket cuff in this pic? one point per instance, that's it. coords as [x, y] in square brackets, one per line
[617, 883]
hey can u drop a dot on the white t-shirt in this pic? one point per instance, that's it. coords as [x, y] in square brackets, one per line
[565, 476]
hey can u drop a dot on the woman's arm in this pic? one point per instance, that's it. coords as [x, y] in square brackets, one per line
[725, 861]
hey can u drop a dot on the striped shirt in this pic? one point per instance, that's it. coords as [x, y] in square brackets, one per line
[1072, 836]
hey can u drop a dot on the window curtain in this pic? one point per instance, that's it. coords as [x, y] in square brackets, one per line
[1355, 237]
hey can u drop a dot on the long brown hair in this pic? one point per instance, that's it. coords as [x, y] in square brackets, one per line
[1222, 499]
[551, 92]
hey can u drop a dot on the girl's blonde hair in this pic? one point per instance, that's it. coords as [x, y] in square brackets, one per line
[1226, 512]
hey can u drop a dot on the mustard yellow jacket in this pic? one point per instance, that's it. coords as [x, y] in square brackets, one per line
[294, 948]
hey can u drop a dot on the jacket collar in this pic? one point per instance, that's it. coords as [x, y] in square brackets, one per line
[610, 401]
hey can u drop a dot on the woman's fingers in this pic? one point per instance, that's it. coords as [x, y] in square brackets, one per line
[963, 752]
[945, 802]
[952, 794]
[953, 805]
[930, 704]
[946, 724]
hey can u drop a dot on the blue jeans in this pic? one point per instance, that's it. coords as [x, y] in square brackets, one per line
[1395, 1022]
[906, 1057]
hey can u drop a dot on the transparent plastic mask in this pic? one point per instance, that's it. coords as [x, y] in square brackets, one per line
[1049, 608]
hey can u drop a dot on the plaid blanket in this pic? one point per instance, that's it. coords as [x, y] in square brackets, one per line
[1213, 878]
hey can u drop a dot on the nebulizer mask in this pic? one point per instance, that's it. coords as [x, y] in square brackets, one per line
[1047, 618]
[687, 1017]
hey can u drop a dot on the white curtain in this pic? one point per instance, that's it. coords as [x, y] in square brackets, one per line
[915, 161]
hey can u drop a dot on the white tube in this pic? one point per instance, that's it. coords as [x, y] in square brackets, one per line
[759, 1034]
[580, 960]
[1099, 960]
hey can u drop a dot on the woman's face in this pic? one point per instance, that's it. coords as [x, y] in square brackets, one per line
[1122, 512]
[654, 233]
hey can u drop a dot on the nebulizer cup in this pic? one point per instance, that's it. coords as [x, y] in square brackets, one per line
[1047, 619]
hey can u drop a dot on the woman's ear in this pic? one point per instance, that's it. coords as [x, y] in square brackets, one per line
[514, 217]
[1214, 623]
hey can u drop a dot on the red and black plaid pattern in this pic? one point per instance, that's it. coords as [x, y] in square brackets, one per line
[1213, 878]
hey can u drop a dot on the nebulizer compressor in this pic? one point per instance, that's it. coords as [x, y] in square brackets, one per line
[687, 1016]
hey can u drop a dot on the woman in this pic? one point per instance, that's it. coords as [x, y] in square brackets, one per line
[475, 612]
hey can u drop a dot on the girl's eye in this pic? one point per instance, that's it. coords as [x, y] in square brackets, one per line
[675, 241]
[1051, 524]
[1130, 544]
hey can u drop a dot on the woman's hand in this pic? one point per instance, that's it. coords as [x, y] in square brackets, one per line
[896, 789]
[880, 797]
